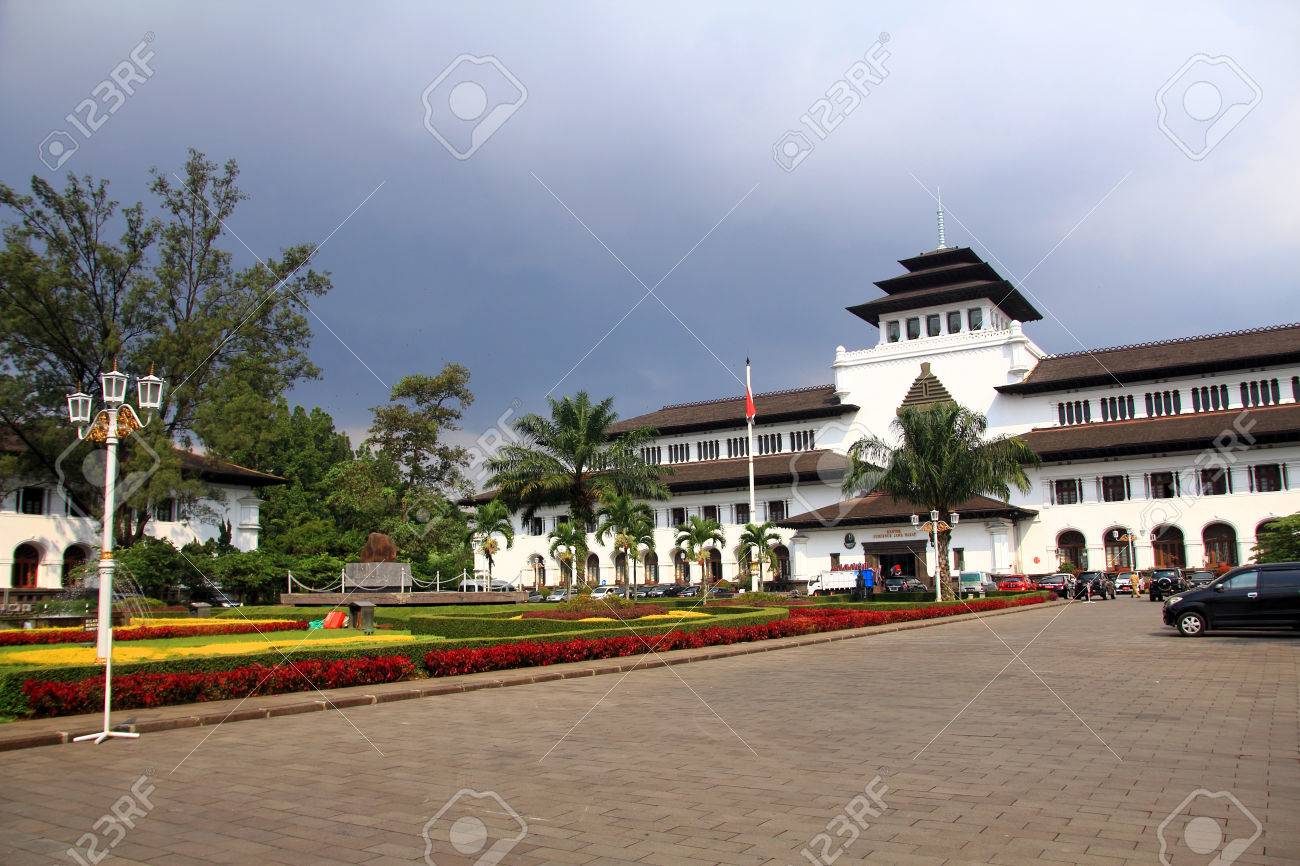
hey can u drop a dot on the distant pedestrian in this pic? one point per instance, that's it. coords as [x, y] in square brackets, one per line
[1137, 585]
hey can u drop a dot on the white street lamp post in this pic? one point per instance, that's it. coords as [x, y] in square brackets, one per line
[115, 420]
[933, 526]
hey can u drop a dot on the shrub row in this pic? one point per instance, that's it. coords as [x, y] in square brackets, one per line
[800, 621]
[33, 636]
[62, 691]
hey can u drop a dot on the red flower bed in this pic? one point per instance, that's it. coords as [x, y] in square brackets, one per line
[133, 691]
[801, 621]
[29, 637]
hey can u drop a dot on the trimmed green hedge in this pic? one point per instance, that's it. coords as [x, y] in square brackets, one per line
[14, 703]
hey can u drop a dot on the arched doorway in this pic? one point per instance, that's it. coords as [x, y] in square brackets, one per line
[1220, 541]
[1072, 548]
[566, 570]
[27, 563]
[593, 570]
[73, 558]
[782, 555]
[620, 569]
[1117, 543]
[651, 564]
[681, 567]
[715, 565]
[538, 566]
[1167, 545]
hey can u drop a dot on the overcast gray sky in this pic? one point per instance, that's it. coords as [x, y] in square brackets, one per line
[651, 122]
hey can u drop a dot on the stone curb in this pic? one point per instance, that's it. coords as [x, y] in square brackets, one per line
[523, 676]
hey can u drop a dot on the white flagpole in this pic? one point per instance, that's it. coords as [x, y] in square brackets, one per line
[749, 450]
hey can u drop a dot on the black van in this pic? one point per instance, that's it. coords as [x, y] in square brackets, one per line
[1252, 596]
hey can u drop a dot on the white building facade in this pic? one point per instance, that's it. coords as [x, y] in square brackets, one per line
[1171, 453]
[44, 537]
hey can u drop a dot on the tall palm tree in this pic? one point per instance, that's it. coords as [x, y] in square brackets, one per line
[641, 534]
[571, 458]
[942, 459]
[568, 541]
[488, 521]
[758, 539]
[697, 537]
[617, 514]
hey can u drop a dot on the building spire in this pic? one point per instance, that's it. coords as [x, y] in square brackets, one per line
[943, 245]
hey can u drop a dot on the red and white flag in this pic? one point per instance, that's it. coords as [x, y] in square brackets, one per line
[750, 411]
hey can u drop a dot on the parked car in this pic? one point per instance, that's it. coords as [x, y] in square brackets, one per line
[976, 583]
[1129, 582]
[665, 590]
[608, 590]
[1094, 585]
[534, 597]
[1253, 596]
[1060, 583]
[904, 584]
[1197, 579]
[558, 595]
[1164, 582]
[722, 593]
[687, 592]
[1015, 583]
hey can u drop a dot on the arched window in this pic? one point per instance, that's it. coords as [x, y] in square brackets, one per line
[27, 563]
[782, 554]
[620, 568]
[651, 563]
[1118, 549]
[593, 570]
[1220, 544]
[681, 567]
[1071, 547]
[1167, 545]
[73, 558]
[715, 565]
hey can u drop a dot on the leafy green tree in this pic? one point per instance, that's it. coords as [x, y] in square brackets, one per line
[1278, 540]
[153, 565]
[943, 459]
[618, 515]
[640, 536]
[568, 543]
[411, 430]
[571, 459]
[84, 280]
[488, 521]
[698, 537]
[757, 541]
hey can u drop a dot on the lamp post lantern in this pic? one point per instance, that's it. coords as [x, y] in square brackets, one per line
[934, 526]
[115, 420]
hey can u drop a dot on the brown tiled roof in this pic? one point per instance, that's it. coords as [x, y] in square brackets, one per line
[1227, 430]
[1234, 350]
[202, 465]
[818, 401]
[943, 277]
[807, 467]
[879, 507]
[926, 389]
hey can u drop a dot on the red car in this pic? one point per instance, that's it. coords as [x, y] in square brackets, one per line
[1015, 583]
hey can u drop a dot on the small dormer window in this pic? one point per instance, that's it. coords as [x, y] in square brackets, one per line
[913, 328]
[932, 325]
[892, 331]
[954, 322]
[975, 318]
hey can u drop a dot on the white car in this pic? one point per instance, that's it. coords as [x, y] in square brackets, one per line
[607, 591]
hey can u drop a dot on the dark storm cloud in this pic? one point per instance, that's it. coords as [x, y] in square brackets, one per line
[650, 123]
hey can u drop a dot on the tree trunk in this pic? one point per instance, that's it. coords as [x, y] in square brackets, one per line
[949, 590]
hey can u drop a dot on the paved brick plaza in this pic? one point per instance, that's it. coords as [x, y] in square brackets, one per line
[651, 775]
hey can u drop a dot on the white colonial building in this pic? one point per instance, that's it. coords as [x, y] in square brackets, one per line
[1166, 453]
[43, 536]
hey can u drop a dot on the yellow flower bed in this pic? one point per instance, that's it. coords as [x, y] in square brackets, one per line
[135, 652]
[680, 614]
